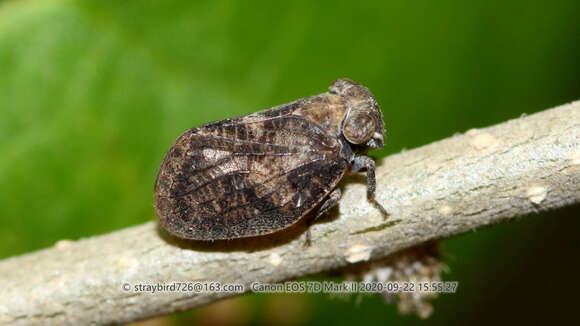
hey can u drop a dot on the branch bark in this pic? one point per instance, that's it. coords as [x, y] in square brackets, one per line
[452, 186]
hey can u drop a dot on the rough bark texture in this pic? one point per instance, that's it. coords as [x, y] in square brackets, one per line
[452, 186]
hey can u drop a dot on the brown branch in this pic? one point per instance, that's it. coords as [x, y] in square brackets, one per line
[449, 187]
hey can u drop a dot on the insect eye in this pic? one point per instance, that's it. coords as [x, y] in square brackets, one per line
[358, 128]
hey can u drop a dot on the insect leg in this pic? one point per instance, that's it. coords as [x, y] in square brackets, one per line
[366, 163]
[327, 205]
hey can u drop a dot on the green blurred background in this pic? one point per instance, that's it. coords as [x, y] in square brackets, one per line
[92, 93]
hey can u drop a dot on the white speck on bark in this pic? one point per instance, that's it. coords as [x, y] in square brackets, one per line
[63, 244]
[471, 132]
[574, 159]
[358, 253]
[483, 141]
[445, 210]
[536, 194]
[275, 259]
[127, 264]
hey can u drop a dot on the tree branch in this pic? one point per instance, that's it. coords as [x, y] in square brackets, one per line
[449, 187]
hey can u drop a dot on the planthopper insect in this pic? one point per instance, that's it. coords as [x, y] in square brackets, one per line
[260, 173]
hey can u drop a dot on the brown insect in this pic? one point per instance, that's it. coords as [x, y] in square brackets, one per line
[260, 173]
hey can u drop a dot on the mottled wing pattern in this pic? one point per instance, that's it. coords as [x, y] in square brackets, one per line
[246, 176]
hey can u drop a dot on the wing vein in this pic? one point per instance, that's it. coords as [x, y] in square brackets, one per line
[283, 172]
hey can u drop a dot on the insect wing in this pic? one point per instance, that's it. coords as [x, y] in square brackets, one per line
[246, 176]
